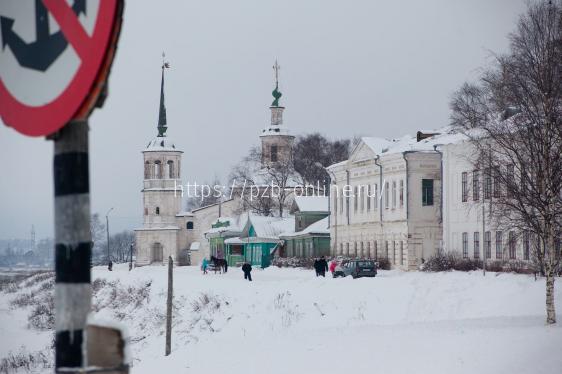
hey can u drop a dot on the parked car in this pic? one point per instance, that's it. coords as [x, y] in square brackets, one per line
[356, 268]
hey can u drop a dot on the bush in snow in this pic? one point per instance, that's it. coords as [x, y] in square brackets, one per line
[117, 297]
[42, 316]
[205, 301]
[445, 261]
[39, 278]
[30, 362]
[383, 264]
[293, 262]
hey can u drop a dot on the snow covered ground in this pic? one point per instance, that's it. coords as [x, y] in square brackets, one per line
[287, 320]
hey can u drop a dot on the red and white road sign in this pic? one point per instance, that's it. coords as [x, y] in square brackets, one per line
[54, 60]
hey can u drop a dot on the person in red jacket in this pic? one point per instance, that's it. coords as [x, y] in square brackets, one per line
[333, 265]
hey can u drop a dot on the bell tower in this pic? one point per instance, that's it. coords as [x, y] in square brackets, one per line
[161, 193]
[276, 141]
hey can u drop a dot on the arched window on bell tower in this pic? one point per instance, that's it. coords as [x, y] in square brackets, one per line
[157, 169]
[170, 169]
[147, 170]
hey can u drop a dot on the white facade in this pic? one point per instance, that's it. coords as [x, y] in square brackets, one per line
[465, 229]
[159, 237]
[399, 225]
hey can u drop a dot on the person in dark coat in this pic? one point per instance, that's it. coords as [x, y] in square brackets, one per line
[247, 269]
[322, 267]
[316, 266]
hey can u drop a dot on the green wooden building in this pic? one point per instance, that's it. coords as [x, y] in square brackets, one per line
[256, 242]
[313, 241]
[311, 234]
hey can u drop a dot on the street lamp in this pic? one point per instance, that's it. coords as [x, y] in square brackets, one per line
[107, 231]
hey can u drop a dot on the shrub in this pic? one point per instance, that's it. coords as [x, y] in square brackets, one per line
[445, 261]
[39, 277]
[495, 266]
[42, 315]
[29, 362]
[384, 263]
[293, 262]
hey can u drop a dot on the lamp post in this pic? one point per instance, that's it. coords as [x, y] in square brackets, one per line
[107, 231]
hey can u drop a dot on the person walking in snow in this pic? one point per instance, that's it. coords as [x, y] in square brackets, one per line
[333, 265]
[204, 265]
[247, 269]
[322, 267]
[316, 266]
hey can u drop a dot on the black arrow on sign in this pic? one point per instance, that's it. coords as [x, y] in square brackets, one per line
[46, 48]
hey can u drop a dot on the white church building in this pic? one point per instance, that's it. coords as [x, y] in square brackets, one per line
[167, 229]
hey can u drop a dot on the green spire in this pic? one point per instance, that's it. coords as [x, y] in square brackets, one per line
[162, 112]
[276, 93]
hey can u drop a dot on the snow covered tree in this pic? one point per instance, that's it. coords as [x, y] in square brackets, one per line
[513, 118]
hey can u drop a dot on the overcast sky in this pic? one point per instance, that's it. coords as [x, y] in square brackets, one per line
[379, 68]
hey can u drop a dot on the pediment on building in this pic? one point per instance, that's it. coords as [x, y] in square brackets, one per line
[362, 152]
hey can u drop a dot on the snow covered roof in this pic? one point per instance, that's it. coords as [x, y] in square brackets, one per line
[239, 240]
[377, 145]
[271, 227]
[318, 227]
[407, 143]
[275, 130]
[312, 203]
[161, 144]
[234, 225]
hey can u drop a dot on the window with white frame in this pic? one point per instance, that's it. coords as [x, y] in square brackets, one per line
[476, 185]
[512, 243]
[393, 194]
[355, 198]
[401, 193]
[464, 245]
[499, 247]
[464, 186]
[362, 197]
[369, 197]
[476, 244]
[386, 196]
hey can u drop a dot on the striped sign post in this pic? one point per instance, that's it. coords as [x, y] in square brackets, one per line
[72, 243]
[50, 82]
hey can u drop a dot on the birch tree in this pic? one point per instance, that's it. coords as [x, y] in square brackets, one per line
[512, 115]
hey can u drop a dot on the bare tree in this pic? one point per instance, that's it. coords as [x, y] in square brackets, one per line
[513, 118]
[264, 186]
[97, 229]
[314, 149]
[121, 245]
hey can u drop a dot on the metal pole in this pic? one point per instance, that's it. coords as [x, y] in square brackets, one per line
[72, 245]
[130, 257]
[169, 306]
[107, 231]
[483, 238]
